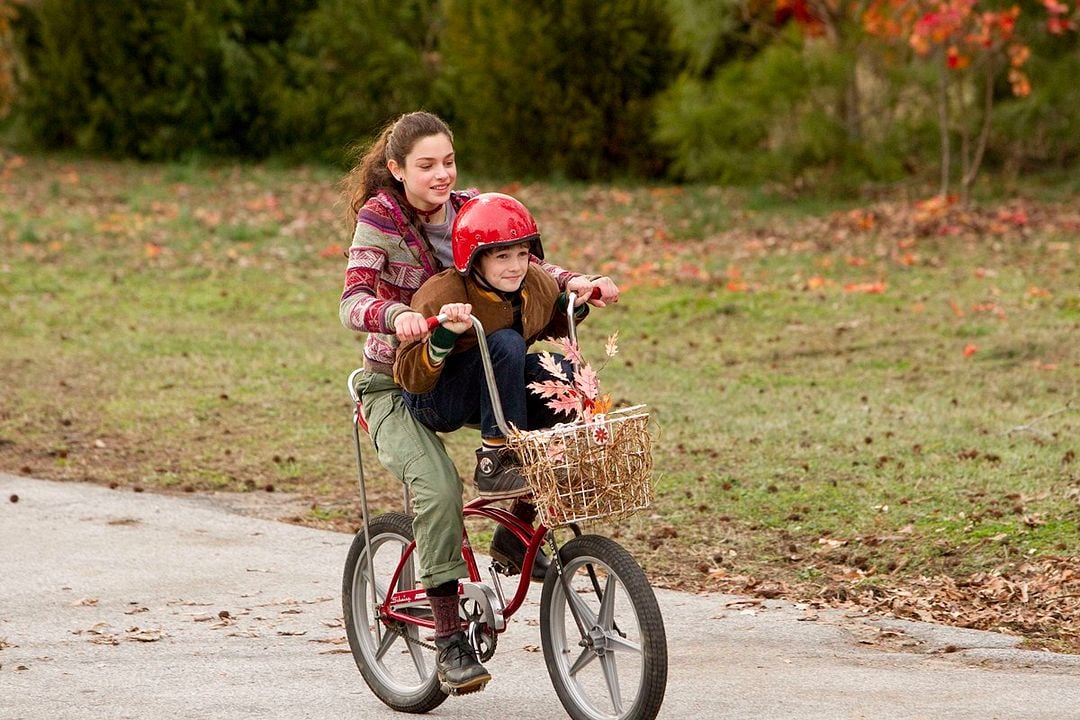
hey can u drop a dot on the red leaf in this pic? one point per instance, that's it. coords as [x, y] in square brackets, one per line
[871, 288]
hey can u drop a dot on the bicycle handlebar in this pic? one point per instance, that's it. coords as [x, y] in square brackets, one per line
[435, 320]
[485, 357]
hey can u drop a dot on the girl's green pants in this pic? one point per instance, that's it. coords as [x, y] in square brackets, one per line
[417, 456]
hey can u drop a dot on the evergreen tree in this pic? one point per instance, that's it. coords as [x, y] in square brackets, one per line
[558, 87]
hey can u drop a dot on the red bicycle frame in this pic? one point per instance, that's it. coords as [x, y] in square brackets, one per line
[395, 605]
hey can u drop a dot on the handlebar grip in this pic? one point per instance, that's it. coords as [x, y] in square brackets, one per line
[594, 295]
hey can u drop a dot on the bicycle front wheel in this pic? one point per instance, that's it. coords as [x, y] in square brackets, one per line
[604, 641]
[397, 668]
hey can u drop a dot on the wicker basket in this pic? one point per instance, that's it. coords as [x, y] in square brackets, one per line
[583, 471]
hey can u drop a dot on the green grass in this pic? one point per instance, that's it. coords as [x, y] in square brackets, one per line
[176, 327]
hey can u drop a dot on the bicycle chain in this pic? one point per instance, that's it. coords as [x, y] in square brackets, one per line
[399, 630]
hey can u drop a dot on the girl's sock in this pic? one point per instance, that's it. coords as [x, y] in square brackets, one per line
[445, 610]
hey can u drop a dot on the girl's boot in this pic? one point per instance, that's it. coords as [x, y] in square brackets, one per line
[458, 669]
[507, 549]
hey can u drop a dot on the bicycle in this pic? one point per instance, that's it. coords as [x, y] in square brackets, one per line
[602, 633]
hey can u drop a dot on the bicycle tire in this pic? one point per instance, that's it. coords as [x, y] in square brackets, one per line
[399, 672]
[590, 683]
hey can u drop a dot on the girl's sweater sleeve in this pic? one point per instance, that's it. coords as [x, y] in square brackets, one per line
[361, 309]
[560, 275]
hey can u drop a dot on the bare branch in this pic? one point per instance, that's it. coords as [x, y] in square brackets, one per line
[1029, 427]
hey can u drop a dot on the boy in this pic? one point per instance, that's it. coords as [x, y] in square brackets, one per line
[496, 277]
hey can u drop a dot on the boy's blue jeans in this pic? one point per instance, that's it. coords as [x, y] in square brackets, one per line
[461, 396]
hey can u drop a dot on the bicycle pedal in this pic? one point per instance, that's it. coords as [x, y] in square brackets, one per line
[504, 567]
[467, 690]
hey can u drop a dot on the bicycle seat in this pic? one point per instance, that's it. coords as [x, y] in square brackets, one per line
[360, 416]
[355, 395]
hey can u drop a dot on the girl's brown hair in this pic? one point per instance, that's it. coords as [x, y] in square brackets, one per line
[370, 174]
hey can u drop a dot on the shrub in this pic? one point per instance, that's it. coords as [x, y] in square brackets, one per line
[354, 66]
[156, 79]
[563, 88]
[770, 115]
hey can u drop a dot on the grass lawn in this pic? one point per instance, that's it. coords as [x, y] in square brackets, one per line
[868, 403]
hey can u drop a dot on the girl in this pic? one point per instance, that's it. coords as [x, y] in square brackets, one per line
[402, 201]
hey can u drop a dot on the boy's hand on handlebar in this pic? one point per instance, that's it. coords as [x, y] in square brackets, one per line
[409, 326]
[458, 317]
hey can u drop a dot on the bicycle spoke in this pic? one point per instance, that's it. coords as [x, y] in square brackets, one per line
[611, 679]
[617, 643]
[385, 643]
[408, 574]
[583, 660]
[416, 652]
[607, 604]
[380, 593]
[377, 626]
[581, 609]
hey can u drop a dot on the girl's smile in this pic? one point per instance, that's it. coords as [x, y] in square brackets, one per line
[429, 174]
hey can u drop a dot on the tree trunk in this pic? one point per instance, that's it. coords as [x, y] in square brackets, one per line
[984, 133]
[943, 123]
[852, 109]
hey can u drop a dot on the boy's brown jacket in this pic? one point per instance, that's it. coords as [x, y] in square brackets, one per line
[540, 318]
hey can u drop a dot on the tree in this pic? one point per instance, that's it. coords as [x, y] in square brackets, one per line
[355, 66]
[558, 87]
[969, 46]
[9, 11]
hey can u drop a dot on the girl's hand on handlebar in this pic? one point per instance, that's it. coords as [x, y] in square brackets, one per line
[598, 292]
[609, 291]
[409, 326]
[583, 298]
[458, 318]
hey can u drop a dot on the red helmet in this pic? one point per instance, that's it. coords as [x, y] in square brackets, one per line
[492, 220]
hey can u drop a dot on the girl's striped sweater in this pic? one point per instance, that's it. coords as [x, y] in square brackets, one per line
[388, 262]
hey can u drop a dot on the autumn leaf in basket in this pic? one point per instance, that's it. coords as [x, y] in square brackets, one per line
[579, 397]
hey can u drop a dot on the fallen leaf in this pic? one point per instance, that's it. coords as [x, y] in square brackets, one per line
[871, 288]
[138, 634]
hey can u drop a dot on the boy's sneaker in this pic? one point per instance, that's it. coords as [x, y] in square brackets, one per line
[460, 673]
[498, 474]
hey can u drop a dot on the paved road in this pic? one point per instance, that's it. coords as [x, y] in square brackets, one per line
[113, 603]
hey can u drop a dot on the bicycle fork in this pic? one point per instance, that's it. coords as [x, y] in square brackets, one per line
[564, 579]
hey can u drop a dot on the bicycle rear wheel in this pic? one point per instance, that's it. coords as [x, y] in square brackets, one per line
[399, 670]
[615, 666]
